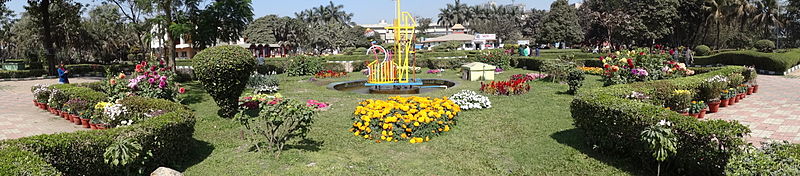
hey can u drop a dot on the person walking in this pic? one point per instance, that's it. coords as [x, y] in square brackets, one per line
[63, 74]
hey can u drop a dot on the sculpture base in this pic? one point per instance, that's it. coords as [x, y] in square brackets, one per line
[394, 90]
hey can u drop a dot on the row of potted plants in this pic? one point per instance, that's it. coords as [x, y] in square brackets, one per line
[81, 119]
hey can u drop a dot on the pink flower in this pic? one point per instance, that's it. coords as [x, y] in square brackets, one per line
[182, 90]
[151, 80]
[162, 84]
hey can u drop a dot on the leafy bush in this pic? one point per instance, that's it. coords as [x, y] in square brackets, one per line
[22, 73]
[613, 123]
[275, 122]
[771, 159]
[415, 119]
[575, 80]
[263, 83]
[15, 161]
[702, 50]
[468, 99]
[224, 71]
[777, 62]
[448, 46]
[495, 57]
[440, 63]
[557, 69]
[764, 45]
[304, 65]
[41, 93]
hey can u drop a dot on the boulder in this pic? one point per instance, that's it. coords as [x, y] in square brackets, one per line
[163, 171]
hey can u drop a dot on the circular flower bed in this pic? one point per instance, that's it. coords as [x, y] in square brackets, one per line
[468, 99]
[415, 119]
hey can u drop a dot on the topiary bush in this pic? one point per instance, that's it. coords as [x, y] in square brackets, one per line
[304, 65]
[764, 45]
[224, 71]
[702, 50]
[575, 80]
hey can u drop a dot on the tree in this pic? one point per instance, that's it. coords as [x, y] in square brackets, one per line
[135, 14]
[223, 20]
[262, 30]
[456, 13]
[40, 11]
[531, 22]
[423, 25]
[58, 23]
[330, 13]
[111, 37]
[6, 22]
[767, 16]
[792, 16]
[561, 24]
[271, 29]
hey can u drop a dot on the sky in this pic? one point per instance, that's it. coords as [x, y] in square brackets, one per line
[364, 11]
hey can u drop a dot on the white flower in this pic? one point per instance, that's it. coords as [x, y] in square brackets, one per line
[467, 99]
[665, 123]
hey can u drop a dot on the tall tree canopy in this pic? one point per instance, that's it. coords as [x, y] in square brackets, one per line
[561, 24]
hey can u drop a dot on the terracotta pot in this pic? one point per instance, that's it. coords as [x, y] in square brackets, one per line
[750, 90]
[92, 126]
[714, 106]
[685, 113]
[723, 103]
[743, 95]
[102, 126]
[35, 103]
[85, 123]
[733, 100]
[702, 114]
[76, 120]
[64, 114]
[694, 115]
[755, 89]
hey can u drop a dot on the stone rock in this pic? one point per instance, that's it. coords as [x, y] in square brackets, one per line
[164, 171]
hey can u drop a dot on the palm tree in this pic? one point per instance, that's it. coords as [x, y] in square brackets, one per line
[717, 13]
[767, 15]
[330, 13]
[457, 13]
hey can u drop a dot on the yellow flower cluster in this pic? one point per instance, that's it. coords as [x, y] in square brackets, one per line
[415, 119]
[592, 70]
[102, 105]
[681, 91]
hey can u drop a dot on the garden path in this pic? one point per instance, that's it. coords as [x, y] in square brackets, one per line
[20, 118]
[772, 114]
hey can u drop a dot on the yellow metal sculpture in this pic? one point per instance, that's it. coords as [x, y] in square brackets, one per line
[395, 68]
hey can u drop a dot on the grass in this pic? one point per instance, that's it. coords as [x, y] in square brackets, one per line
[530, 134]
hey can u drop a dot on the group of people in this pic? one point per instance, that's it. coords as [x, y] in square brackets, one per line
[525, 50]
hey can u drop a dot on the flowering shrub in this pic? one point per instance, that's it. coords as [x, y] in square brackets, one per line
[728, 93]
[263, 83]
[679, 100]
[41, 92]
[415, 119]
[640, 65]
[113, 114]
[330, 74]
[511, 87]
[697, 106]
[529, 76]
[495, 57]
[711, 88]
[148, 80]
[637, 96]
[592, 70]
[468, 99]
[57, 99]
[76, 106]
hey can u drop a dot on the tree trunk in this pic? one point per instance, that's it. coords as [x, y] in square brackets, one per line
[47, 37]
[718, 32]
[170, 43]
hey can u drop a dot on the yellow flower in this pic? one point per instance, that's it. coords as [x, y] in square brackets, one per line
[412, 141]
[446, 127]
[357, 133]
[416, 123]
[404, 135]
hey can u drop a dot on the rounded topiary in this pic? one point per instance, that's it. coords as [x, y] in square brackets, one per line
[224, 71]
[765, 45]
[702, 50]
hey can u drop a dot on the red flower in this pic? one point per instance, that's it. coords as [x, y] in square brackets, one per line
[139, 68]
[630, 63]
[182, 90]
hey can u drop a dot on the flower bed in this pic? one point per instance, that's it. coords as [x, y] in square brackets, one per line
[329, 74]
[637, 66]
[613, 123]
[468, 99]
[165, 134]
[415, 119]
[592, 70]
[511, 87]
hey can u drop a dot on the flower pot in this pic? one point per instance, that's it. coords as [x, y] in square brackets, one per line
[755, 89]
[102, 126]
[85, 123]
[35, 103]
[685, 113]
[702, 114]
[92, 126]
[76, 120]
[64, 114]
[713, 106]
[723, 103]
[750, 90]
[733, 100]
[743, 95]
[695, 115]
[738, 97]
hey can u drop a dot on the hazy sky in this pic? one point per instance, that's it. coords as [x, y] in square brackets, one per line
[365, 11]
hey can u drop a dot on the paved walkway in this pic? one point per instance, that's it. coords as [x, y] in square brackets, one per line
[772, 114]
[20, 118]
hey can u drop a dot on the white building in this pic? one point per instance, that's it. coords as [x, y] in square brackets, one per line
[469, 41]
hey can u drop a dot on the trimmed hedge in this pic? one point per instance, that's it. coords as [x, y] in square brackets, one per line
[778, 62]
[613, 123]
[535, 63]
[167, 136]
[22, 73]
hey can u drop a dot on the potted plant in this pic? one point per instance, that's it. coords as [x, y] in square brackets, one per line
[84, 117]
[679, 101]
[734, 96]
[698, 109]
[743, 91]
[41, 93]
[93, 122]
[726, 98]
[750, 77]
[711, 91]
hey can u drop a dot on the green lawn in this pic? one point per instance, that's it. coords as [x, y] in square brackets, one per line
[521, 135]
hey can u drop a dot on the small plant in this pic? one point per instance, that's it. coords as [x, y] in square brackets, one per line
[679, 100]
[735, 79]
[661, 141]
[128, 154]
[495, 57]
[592, 70]
[728, 93]
[275, 121]
[528, 77]
[41, 93]
[435, 71]
[468, 99]
[764, 45]
[76, 105]
[304, 65]
[637, 96]
[710, 89]
[263, 83]
[702, 50]
[317, 104]
[558, 70]
[575, 80]
[57, 99]
[697, 106]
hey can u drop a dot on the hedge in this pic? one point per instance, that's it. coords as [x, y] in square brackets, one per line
[777, 62]
[613, 123]
[22, 73]
[167, 136]
[535, 63]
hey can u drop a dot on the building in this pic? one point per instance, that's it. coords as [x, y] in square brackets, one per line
[388, 36]
[469, 41]
[184, 49]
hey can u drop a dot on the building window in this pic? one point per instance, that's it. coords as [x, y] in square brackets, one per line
[184, 54]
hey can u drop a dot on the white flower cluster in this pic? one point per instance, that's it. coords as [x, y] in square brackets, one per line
[717, 78]
[115, 111]
[468, 99]
[664, 123]
[265, 89]
[39, 89]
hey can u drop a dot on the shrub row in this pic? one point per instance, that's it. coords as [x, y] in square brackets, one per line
[22, 73]
[778, 62]
[167, 136]
[614, 123]
[535, 63]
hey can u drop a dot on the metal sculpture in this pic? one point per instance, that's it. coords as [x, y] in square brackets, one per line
[395, 69]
